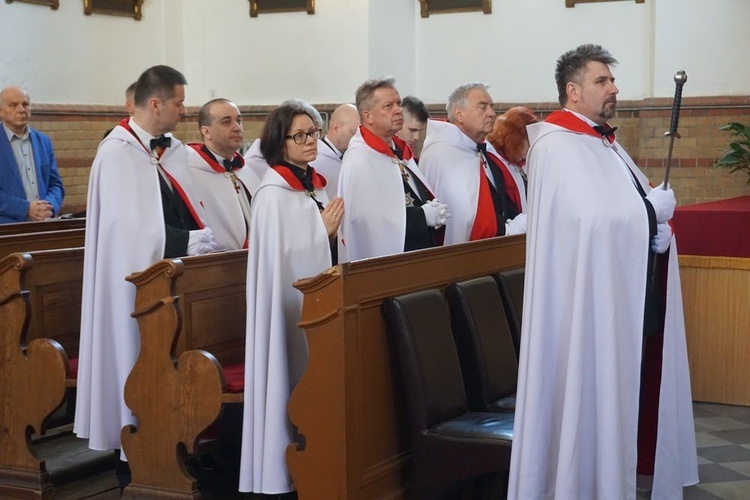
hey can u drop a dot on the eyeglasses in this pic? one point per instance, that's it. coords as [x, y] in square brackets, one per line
[301, 137]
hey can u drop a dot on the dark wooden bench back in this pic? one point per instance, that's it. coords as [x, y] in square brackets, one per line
[44, 240]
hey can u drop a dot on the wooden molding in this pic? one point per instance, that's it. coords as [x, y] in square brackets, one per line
[452, 6]
[126, 8]
[54, 4]
[269, 6]
[572, 3]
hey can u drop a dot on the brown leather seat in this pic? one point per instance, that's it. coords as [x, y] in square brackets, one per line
[485, 345]
[450, 444]
[510, 283]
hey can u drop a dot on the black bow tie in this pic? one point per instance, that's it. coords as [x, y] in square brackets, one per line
[604, 130]
[236, 162]
[160, 142]
[482, 147]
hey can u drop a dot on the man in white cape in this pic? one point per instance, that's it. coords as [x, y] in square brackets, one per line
[592, 222]
[331, 148]
[127, 231]
[222, 182]
[483, 197]
[390, 205]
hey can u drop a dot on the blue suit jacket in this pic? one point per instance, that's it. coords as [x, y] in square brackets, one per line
[14, 207]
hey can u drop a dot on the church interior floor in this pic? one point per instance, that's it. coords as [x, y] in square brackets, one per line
[722, 435]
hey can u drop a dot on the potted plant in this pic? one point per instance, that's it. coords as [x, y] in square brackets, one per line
[737, 159]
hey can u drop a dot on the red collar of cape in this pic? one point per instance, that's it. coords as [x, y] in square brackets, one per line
[319, 182]
[211, 160]
[175, 185]
[570, 121]
[380, 145]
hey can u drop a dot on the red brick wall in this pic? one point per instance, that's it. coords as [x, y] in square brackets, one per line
[76, 131]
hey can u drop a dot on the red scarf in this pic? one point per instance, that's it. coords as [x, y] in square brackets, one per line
[570, 121]
[380, 145]
[485, 222]
[318, 180]
[211, 160]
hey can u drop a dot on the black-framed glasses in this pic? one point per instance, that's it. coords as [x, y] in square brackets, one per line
[301, 137]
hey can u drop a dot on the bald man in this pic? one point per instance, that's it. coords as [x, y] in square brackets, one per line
[30, 185]
[331, 148]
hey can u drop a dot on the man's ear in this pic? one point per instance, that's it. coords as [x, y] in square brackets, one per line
[573, 92]
[205, 132]
[366, 117]
[153, 104]
[458, 115]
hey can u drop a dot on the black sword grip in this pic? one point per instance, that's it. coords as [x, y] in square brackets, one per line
[676, 106]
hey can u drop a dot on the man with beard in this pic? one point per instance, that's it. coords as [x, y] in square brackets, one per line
[390, 207]
[222, 182]
[467, 174]
[603, 385]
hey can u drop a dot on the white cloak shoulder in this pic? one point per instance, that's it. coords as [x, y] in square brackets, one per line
[451, 165]
[219, 199]
[328, 164]
[371, 185]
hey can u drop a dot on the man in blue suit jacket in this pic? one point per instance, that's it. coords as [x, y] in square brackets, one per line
[30, 185]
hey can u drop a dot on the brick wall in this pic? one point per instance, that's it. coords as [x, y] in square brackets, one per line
[76, 131]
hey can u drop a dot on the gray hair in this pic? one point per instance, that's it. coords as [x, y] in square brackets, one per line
[366, 92]
[457, 98]
[311, 111]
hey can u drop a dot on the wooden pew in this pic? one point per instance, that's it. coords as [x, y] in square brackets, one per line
[44, 240]
[349, 404]
[40, 306]
[41, 226]
[191, 316]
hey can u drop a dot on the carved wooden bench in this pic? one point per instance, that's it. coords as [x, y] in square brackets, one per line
[40, 306]
[191, 315]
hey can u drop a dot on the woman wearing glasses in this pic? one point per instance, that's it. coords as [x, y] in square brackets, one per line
[291, 228]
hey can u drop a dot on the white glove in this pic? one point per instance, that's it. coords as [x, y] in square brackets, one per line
[663, 238]
[517, 225]
[663, 202]
[435, 213]
[201, 241]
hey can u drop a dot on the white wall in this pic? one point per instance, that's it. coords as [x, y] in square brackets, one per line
[65, 57]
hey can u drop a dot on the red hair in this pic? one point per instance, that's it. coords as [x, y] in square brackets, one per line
[509, 135]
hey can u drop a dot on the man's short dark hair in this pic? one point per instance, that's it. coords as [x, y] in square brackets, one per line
[570, 66]
[364, 98]
[204, 115]
[157, 81]
[415, 108]
[276, 128]
[131, 89]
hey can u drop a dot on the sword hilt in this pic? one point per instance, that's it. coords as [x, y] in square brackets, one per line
[679, 81]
